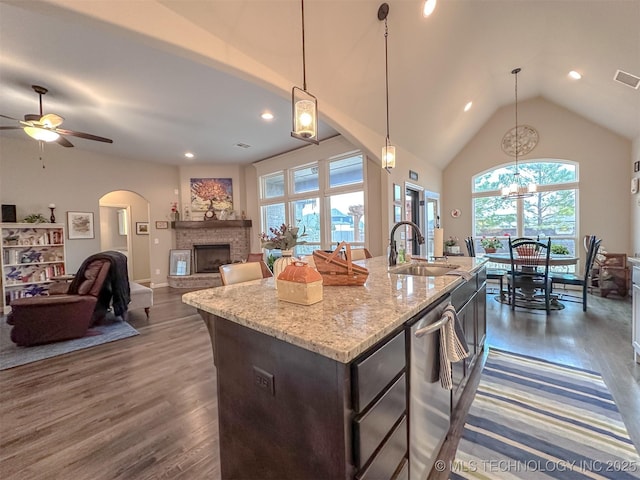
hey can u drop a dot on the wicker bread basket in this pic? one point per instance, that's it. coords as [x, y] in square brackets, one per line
[337, 271]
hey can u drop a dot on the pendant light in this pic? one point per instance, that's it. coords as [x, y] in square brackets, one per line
[304, 105]
[519, 141]
[388, 151]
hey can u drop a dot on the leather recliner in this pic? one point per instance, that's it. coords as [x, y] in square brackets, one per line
[45, 319]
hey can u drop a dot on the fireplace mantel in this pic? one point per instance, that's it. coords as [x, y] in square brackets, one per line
[211, 224]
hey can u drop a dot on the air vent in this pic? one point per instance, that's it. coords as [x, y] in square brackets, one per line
[243, 145]
[628, 79]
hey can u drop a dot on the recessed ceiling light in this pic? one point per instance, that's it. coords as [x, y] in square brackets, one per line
[468, 106]
[575, 75]
[428, 8]
[266, 116]
[189, 155]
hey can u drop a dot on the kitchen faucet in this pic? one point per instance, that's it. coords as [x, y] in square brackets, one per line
[393, 252]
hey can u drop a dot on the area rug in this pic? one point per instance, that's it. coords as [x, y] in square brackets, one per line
[532, 305]
[12, 356]
[534, 419]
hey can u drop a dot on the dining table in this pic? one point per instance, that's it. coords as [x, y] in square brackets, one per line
[528, 294]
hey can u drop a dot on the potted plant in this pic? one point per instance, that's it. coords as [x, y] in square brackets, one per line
[284, 239]
[490, 244]
[559, 250]
[452, 245]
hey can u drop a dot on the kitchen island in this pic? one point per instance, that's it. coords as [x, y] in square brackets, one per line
[323, 391]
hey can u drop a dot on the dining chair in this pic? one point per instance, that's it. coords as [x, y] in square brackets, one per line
[579, 280]
[492, 273]
[360, 254]
[240, 272]
[529, 270]
[259, 257]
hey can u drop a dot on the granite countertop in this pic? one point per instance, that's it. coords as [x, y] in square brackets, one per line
[346, 322]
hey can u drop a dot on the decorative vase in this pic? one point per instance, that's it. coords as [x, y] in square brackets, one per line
[176, 216]
[281, 263]
[490, 250]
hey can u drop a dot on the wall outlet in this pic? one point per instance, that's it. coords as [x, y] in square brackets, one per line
[156, 241]
[157, 271]
[263, 380]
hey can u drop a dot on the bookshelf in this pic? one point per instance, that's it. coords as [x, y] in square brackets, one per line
[31, 255]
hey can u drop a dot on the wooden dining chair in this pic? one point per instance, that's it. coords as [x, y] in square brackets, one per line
[240, 272]
[492, 273]
[579, 280]
[529, 270]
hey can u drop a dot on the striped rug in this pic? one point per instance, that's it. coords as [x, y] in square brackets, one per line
[534, 419]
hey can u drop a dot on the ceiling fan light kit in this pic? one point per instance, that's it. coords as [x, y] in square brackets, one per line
[44, 128]
[304, 106]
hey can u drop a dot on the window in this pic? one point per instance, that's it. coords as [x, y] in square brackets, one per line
[551, 212]
[326, 198]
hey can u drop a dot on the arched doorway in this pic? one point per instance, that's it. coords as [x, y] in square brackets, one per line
[123, 217]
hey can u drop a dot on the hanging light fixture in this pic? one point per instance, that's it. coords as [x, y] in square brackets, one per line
[304, 105]
[520, 140]
[388, 151]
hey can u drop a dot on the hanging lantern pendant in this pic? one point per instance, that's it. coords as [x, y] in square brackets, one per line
[305, 115]
[304, 106]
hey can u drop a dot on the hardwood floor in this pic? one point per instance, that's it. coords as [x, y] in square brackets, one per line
[145, 407]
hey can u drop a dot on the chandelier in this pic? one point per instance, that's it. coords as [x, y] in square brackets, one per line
[520, 140]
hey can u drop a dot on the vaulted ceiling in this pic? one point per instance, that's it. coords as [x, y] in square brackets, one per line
[168, 76]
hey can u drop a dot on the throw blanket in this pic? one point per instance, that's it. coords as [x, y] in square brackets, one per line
[453, 346]
[115, 289]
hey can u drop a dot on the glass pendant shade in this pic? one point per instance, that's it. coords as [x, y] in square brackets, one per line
[388, 156]
[41, 134]
[305, 115]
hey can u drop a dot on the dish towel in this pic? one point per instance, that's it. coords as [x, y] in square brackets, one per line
[453, 346]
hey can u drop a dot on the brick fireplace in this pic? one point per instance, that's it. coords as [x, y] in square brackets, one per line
[234, 235]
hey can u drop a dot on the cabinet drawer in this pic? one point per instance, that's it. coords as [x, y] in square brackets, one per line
[463, 293]
[372, 374]
[481, 277]
[373, 426]
[388, 459]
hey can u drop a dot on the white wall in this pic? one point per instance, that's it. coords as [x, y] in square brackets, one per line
[75, 180]
[603, 159]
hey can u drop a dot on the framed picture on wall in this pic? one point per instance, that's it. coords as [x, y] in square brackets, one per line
[397, 193]
[162, 225]
[142, 228]
[397, 213]
[180, 262]
[80, 225]
[211, 194]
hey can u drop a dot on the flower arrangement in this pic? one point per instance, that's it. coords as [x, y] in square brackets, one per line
[174, 211]
[490, 242]
[283, 238]
[451, 242]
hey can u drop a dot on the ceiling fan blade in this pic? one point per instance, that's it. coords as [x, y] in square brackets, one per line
[10, 118]
[64, 142]
[51, 120]
[88, 136]
[10, 128]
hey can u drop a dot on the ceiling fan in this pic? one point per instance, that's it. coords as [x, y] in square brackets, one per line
[46, 127]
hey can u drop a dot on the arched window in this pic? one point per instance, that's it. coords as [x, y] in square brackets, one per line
[551, 212]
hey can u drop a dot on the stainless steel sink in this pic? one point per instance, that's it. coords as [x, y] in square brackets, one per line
[423, 269]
